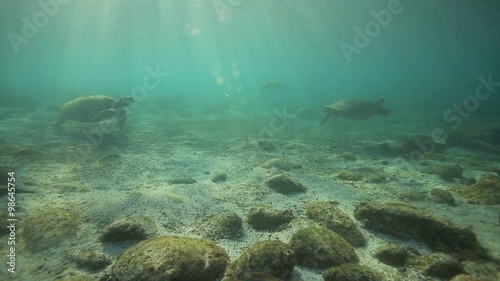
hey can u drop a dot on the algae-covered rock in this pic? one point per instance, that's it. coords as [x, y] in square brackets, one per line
[129, 228]
[171, 258]
[450, 171]
[321, 248]
[331, 217]
[365, 173]
[48, 228]
[352, 272]
[350, 176]
[444, 196]
[267, 218]
[225, 225]
[395, 254]
[407, 222]
[271, 257]
[285, 184]
[438, 265]
[280, 164]
[465, 277]
[447, 172]
[219, 177]
[348, 156]
[486, 191]
[91, 259]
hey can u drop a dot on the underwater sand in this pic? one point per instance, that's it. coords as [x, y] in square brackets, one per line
[166, 145]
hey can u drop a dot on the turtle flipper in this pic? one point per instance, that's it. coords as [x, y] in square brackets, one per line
[326, 115]
[59, 122]
[380, 102]
[104, 115]
[122, 117]
[383, 111]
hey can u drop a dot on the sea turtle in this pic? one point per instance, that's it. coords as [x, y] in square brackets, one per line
[272, 86]
[94, 109]
[354, 109]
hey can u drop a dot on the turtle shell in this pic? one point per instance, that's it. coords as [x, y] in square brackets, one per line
[86, 108]
[354, 108]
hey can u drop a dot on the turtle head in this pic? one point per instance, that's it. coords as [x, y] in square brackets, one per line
[123, 102]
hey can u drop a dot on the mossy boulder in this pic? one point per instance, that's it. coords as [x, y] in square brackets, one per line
[48, 228]
[486, 191]
[395, 254]
[443, 196]
[129, 228]
[352, 272]
[334, 219]
[269, 219]
[271, 257]
[465, 277]
[350, 175]
[280, 164]
[439, 265]
[321, 248]
[348, 156]
[171, 258]
[410, 223]
[93, 260]
[450, 171]
[364, 173]
[225, 225]
[447, 172]
[285, 184]
[219, 177]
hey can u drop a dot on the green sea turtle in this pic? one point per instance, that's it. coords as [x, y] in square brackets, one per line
[94, 109]
[354, 109]
[272, 86]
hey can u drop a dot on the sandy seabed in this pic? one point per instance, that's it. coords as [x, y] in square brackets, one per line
[59, 167]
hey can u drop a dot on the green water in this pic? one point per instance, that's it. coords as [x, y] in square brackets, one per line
[202, 138]
[423, 55]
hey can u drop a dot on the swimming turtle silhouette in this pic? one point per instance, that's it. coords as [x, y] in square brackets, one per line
[354, 109]
[272, 86]
[95, 109]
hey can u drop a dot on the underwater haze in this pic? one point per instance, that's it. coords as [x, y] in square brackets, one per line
[428, 53]
[246, 111]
